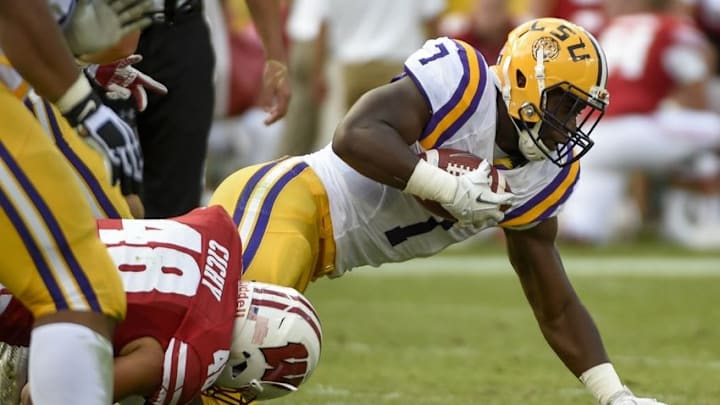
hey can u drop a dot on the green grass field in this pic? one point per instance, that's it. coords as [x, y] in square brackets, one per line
[456, 329]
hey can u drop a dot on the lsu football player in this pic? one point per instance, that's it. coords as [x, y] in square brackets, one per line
[354, 202]
[52, 259]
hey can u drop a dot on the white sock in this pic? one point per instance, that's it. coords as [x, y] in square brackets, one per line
[602, 381]
[70, 364]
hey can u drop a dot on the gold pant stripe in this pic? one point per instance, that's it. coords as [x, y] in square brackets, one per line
[58, 268]
[256, 201]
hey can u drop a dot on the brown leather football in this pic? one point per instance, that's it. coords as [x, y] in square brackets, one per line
[457, 162]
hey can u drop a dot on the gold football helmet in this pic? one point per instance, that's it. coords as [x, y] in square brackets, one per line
[553, 75]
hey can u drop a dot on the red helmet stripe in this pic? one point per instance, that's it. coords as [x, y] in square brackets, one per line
[313, 320]
[307, 304]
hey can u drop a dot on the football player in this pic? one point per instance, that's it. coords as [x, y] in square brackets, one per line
[660, 69]
[52, 259]
[354, 202]
[188, 315]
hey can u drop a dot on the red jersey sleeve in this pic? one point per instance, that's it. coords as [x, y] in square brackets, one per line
[16, 321]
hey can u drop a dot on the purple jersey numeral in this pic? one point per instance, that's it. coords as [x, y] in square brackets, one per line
[442, 51]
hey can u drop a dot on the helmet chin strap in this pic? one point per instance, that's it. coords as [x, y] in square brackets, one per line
[528, 146]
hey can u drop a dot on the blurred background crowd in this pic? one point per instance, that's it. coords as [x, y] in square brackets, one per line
[654, 171]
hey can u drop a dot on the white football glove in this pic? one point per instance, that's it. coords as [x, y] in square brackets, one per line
[96, 25]
[474, 203]
[626, 397]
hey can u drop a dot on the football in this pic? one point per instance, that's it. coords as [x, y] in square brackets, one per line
[458, 162]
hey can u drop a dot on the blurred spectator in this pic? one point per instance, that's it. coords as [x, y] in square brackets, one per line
[239, 135]
[302, 129]
[366, 41]
[371, 39]
[707, 15]
[485, 27]
[658, 121]
[587, 13]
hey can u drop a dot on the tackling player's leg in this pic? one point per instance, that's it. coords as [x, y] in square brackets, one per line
[55, 264]
[89, 164]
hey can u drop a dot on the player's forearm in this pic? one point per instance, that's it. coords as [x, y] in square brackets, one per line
[33, 42]
[563, 320]
[138, 368]
[268, 24]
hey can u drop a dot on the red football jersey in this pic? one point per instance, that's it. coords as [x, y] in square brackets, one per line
[181, 277]
[589, 14]
[641, 71]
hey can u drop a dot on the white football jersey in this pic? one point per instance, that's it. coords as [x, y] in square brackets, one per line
[374, 223]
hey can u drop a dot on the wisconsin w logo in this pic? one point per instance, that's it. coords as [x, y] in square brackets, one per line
[287, 364]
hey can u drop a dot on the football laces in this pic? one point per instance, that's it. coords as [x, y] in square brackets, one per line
[458, 169]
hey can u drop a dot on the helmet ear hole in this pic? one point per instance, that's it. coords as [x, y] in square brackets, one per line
[520, 79]
[239, 368]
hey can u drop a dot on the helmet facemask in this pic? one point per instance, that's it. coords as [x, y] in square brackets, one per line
[565, 109]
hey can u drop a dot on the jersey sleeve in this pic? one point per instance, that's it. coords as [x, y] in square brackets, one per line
[453, 77]
[197, 352]
[541, 189]
[182, 375]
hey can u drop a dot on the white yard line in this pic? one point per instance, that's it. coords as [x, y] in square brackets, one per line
[591, 265]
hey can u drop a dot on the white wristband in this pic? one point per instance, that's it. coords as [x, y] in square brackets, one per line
[602, 381]
[431, 183]
[74, 94]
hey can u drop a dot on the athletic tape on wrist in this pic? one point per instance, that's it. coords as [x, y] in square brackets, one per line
[431, 183]
[77, 92]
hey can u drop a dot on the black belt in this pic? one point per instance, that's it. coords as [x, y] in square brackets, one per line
[174, 14]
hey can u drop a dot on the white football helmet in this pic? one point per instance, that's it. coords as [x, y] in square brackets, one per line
[276, 342]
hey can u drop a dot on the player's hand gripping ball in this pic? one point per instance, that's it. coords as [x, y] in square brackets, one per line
[458, 162]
